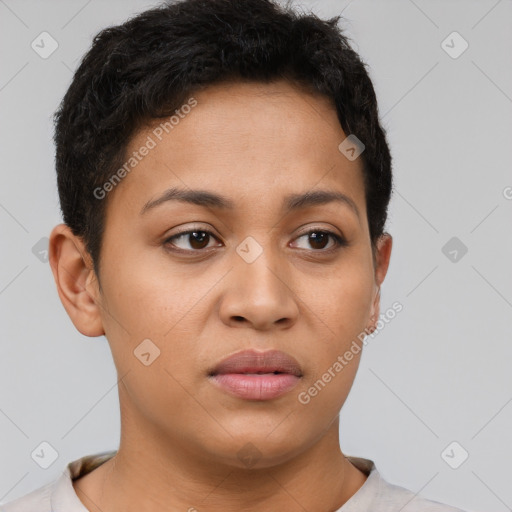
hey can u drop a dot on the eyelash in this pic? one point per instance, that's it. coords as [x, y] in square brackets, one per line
[339, 240]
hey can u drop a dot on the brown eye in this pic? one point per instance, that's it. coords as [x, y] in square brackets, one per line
[319, 239]
[196, 240]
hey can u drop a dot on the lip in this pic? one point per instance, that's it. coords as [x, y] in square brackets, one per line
[253, 375]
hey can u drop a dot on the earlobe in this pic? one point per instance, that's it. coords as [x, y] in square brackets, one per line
[75, 280]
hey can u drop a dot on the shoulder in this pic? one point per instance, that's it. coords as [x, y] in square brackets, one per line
[38, 500]
[391, 496]
[59, 494]
[378, 494]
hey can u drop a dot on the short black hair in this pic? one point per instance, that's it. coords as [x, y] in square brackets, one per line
[145, 69]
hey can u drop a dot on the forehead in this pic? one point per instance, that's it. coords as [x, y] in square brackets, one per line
[249, 141]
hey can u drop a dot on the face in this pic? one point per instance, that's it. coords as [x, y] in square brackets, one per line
[201, 281]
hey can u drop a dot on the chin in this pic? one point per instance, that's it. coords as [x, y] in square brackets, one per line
[256, 448]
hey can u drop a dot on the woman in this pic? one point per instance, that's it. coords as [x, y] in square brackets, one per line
[224, 182]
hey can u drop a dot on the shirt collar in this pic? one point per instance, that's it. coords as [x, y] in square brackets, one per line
[364, 496]
[64, 497]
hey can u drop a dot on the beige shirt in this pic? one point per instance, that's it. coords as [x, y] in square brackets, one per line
[375, 495]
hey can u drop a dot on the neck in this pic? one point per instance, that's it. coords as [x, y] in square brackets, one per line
[145, 477]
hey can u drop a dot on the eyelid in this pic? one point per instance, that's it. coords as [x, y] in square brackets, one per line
[323, 229]
[192, 228]
[305, 231]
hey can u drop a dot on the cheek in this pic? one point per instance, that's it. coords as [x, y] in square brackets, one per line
[340, 303]
[323, 395]
[144, 298]
[150, 331]
[148, 299]
[339, 310]
[342, 313]
[157, 396]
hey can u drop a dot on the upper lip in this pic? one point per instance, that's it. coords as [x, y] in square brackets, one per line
[251, 361]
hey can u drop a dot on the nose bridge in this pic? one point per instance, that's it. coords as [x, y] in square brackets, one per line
[259, 268]
[259, 293]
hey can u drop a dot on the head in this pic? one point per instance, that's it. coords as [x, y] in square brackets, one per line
[208, 208]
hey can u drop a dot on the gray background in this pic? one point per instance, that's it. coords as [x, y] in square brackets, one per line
[439, 372]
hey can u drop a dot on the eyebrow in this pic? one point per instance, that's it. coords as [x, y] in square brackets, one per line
[292, 202]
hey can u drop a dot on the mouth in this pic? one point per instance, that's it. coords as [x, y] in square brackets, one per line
[253, 375]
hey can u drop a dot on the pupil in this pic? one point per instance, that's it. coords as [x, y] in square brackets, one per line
[316, 237]
[201, 235]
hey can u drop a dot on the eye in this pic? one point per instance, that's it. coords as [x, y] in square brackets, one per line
[318, 238]
[195, 239]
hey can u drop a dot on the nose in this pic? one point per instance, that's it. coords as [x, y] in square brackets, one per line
[259, 294]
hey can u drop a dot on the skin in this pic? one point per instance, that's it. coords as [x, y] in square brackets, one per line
[180, 436]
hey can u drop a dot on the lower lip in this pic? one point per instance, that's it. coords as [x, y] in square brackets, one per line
[264, 386]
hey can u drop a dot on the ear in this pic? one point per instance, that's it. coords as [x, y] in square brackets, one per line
[382, 258]
[76, 280]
